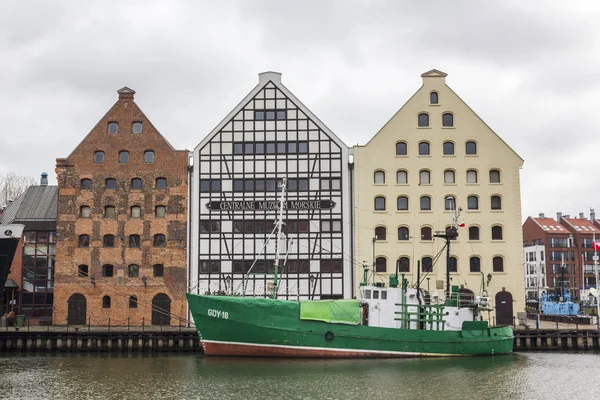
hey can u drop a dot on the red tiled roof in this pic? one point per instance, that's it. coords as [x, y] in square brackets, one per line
[582, 225]
[550, 225]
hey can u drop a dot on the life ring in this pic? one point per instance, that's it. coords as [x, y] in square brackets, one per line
[329, 335]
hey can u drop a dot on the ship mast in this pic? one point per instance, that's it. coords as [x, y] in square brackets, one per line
[280, 238]
[450, 234]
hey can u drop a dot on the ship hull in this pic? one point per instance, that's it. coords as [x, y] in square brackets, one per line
[238, 326]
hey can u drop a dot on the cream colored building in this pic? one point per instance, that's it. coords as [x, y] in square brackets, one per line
[433, 148]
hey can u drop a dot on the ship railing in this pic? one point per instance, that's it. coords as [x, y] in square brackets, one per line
[429, 314]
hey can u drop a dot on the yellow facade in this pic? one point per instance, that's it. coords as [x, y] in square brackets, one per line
[492, 153]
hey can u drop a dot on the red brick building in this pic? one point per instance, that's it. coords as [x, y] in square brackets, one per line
[121, 230]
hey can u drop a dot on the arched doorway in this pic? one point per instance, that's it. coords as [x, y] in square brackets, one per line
[504, 308]
[77, 309]
[161, 310]
[465, 297]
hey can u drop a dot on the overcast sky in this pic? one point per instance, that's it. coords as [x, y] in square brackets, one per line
[530, 69]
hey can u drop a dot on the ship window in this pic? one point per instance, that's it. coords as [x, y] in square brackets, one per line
[375, 294]
[384, 295]
[367, 294]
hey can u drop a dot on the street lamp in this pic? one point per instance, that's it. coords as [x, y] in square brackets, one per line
[144, 280]
[93, 280]
[489, 278]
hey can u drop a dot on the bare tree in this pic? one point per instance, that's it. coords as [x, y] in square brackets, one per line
[12, 185]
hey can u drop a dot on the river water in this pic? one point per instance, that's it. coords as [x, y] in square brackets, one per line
[189, 376]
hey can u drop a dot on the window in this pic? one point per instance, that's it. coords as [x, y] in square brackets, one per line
[302, 147]
[84, 240]
[425, 203]
[113, 128]
[158, 270]
[106, 302]
[82, 271]
[474, 264]
[99, 157]
[133, 271]
[473, 233]
[331, 266]
[423, 148]
[402, 203]
[379, 177]
[86, 184]
[136, 128]
[111, 183]
[161, 183]
[449, 203]
[453, 264]
[148, 156]
[448, 148]
[447, 119]
[496, 203]
[207, 226]
[238, 148]
[498, 264]
[449, 176]
[494, 176]
[426, 264]
[496, 233]
[136, 212]
[108, 241]
[281, 148]
[107, 271]
[84, 212]
[281, 115]
[109, 212]
[424, 177]
[403, 264]
[401, 177]
[471, 176]
[159, 240]
[210, 185]
[423, 119]
[124, 156]
[471, 148]
[380, 264]
[380, 233]
[134, 241]
[160, 211]
[133, 302]
[433, 98]
[426, 233]
[401, 149]
[473, 203]
[259, 115]
[136, 184]
[379, 203]
[403, 233]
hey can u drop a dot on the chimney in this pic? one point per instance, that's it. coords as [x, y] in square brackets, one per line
[581, 216]
[44, 180]
[592, 215]
[558, 217]
[126, 93]
[542, 216]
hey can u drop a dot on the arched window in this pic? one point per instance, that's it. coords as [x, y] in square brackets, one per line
[136, 212]
[425, 203]
[84, 240]
[426, 264]
[133, 271]
[473, 203]
[113, 128]
[474, 264]
[424, 148]
[158, 270]
[85, 212]
[433, 98]
[82, 271]
[106, 302]
[424, 177]
[160, 240]
[379, 203]
[124, 156]
[471, 176]
[98, 157]
[496, 203]
[149, 156]
[86, 184]
[160, 211]
[449, 176]
[494, 176]
[448, 148]
[108, 241]
[403, 233]
[447, 119]
[453, 264]
[134, 241]
[136, 184]
[449, 203]
[109, 212]
[136, 127]
[379, 177]
[401, 149]
[496, 232]
[471, 148]
[401, 177]
[380, 264]
[498, 264]
[133, 302]
[107, 271]
[161, 183]
[380, 233]
[403, 264]
[426, 233]
[111, 183]
[473, 233]
[402, 203]
[423, 119]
